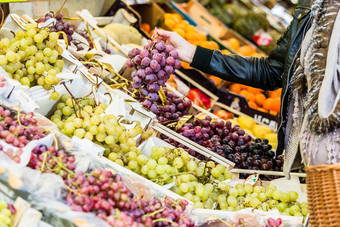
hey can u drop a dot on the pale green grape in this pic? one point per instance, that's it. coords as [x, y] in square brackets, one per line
[100, 137]
[233, 192]
[160, 169]
[53, 36]
[25, 81]
[79, 133]
[273, 203]
[3, 60]
[47, 52]
[184, 187]
[162, 161]
[54, 95]
[152, 174]
[255, 202]
[189, 196]
[232, 202]
[113, 156]
[69, 128]
[284, 197]
[151, 164]
[142, 159]
[178, 163]
[293, 196]
[198, 205]
[133, 164]
[10, 55]
[199, 190]
[248, 188]
[215, 172]
[241, 191]
[259, 189]
[191, 165]
[282, 206]
[262, 196]
[209, 187]
[66, 111]
[109, 139]
[88, 136]
[277, 195]
[31, 33]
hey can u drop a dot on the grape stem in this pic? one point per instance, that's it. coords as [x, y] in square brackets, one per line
[224, 222]
[63, 83]
[259, 204]
[62, 166]
[162, 219]
[61, 7]
[43, 162]
[153, 213]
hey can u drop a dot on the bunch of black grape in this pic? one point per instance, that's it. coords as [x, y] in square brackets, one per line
[154, 65]
[232, 143]
[60, 26]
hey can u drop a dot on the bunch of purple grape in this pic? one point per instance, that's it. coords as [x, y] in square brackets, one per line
[59, 26]
[49, 160]
[154, 65]
[232, 143]
[18, 132]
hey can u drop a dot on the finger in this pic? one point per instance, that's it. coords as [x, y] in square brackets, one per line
[163, 33]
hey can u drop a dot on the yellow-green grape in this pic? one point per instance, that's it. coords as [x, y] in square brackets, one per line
[54, 95]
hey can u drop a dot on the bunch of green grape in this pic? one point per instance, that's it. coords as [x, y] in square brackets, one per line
[5, 214]
[32, 57]
[88, 121]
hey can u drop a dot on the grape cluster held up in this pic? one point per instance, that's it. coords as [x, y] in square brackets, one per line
[154, 65]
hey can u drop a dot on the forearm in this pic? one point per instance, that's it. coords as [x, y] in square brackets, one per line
[255, 72]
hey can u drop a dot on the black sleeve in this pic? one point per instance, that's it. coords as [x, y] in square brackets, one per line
[264, 73]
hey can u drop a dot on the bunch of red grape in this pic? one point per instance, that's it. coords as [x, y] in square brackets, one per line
[154, 65]
[49, 160]
[105, 194]
[18, 131]
[102, 193]
[60, 26]
[15, 156]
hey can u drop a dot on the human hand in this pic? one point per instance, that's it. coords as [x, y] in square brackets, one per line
[185, 50]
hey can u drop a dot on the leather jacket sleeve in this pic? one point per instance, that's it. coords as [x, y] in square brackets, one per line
[265, 73]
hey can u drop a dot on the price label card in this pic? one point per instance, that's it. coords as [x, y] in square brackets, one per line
[252, 179]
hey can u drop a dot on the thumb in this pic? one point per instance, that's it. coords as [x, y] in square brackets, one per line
[163, 33]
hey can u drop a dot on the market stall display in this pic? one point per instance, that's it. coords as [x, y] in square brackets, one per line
[118, 140]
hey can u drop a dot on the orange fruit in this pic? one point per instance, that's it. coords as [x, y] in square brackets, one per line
[179, 31]
[261, 109]
[185, 65]
[244, 93]
[191, 35]
[272, 112]
[177, 17]
[146, 27]
[259, 99]
[202, 37]
[233, 43]
[250, 97]
[170, 23]
[215, 79]
[276, 105]
[267, 104]
[235, 88]
[214, 45]
[252, 104]
[254, 90]
[225, 51]
[246, 50]
[181, 26]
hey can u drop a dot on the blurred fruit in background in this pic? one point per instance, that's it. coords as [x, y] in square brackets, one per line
[199, 98]
[225, 115]
[266, 101]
